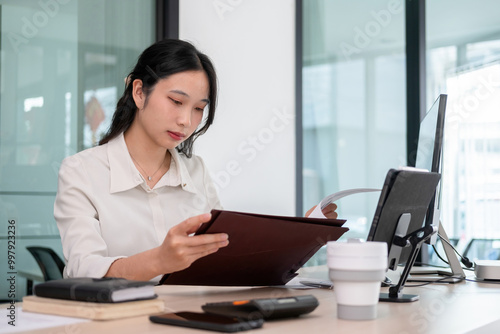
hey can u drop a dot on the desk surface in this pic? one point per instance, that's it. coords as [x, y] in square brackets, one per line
[442, 308]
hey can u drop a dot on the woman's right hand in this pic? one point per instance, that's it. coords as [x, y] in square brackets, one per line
[179, 248]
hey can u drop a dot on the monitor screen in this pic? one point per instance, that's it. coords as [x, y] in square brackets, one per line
[430, 148]
[430, 137]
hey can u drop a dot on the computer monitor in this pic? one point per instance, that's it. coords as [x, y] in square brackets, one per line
[427, 157]
[429, 152]
[430, 137]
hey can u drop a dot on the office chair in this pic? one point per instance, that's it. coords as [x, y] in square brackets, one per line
[49, 262]
[483, 249]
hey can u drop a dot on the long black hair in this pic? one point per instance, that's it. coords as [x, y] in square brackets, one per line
[160, 60]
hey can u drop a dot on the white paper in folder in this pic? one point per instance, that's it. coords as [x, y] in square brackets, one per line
[335, 197]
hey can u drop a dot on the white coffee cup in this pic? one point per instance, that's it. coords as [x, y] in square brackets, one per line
[357, 269]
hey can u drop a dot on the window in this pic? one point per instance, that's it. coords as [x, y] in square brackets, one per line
[354, 103]
[62, 65]
[463, 61]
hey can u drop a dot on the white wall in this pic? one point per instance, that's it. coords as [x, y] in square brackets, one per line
[250, 149]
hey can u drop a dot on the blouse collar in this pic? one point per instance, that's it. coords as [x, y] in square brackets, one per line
[124, 175]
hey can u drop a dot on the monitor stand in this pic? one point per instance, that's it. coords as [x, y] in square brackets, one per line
[441, 276]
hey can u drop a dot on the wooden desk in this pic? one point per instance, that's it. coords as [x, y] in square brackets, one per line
[442, 308]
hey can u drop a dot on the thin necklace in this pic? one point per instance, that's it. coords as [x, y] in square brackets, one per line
[145, 173]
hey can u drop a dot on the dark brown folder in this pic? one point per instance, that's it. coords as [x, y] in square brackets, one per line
[263, 249]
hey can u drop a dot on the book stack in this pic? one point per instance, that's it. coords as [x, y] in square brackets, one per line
[96, 299]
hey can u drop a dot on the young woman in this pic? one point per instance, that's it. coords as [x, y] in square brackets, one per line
[119, 204]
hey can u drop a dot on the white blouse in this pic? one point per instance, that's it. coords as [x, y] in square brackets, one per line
[105, 210]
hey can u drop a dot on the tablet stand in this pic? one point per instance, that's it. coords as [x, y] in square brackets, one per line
[415, 241]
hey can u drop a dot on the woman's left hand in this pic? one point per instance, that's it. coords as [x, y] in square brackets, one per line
[328, 211]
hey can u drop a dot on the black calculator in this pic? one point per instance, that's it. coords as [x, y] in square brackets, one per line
[266, 308]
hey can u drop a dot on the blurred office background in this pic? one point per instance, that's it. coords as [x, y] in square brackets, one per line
[313, 100]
